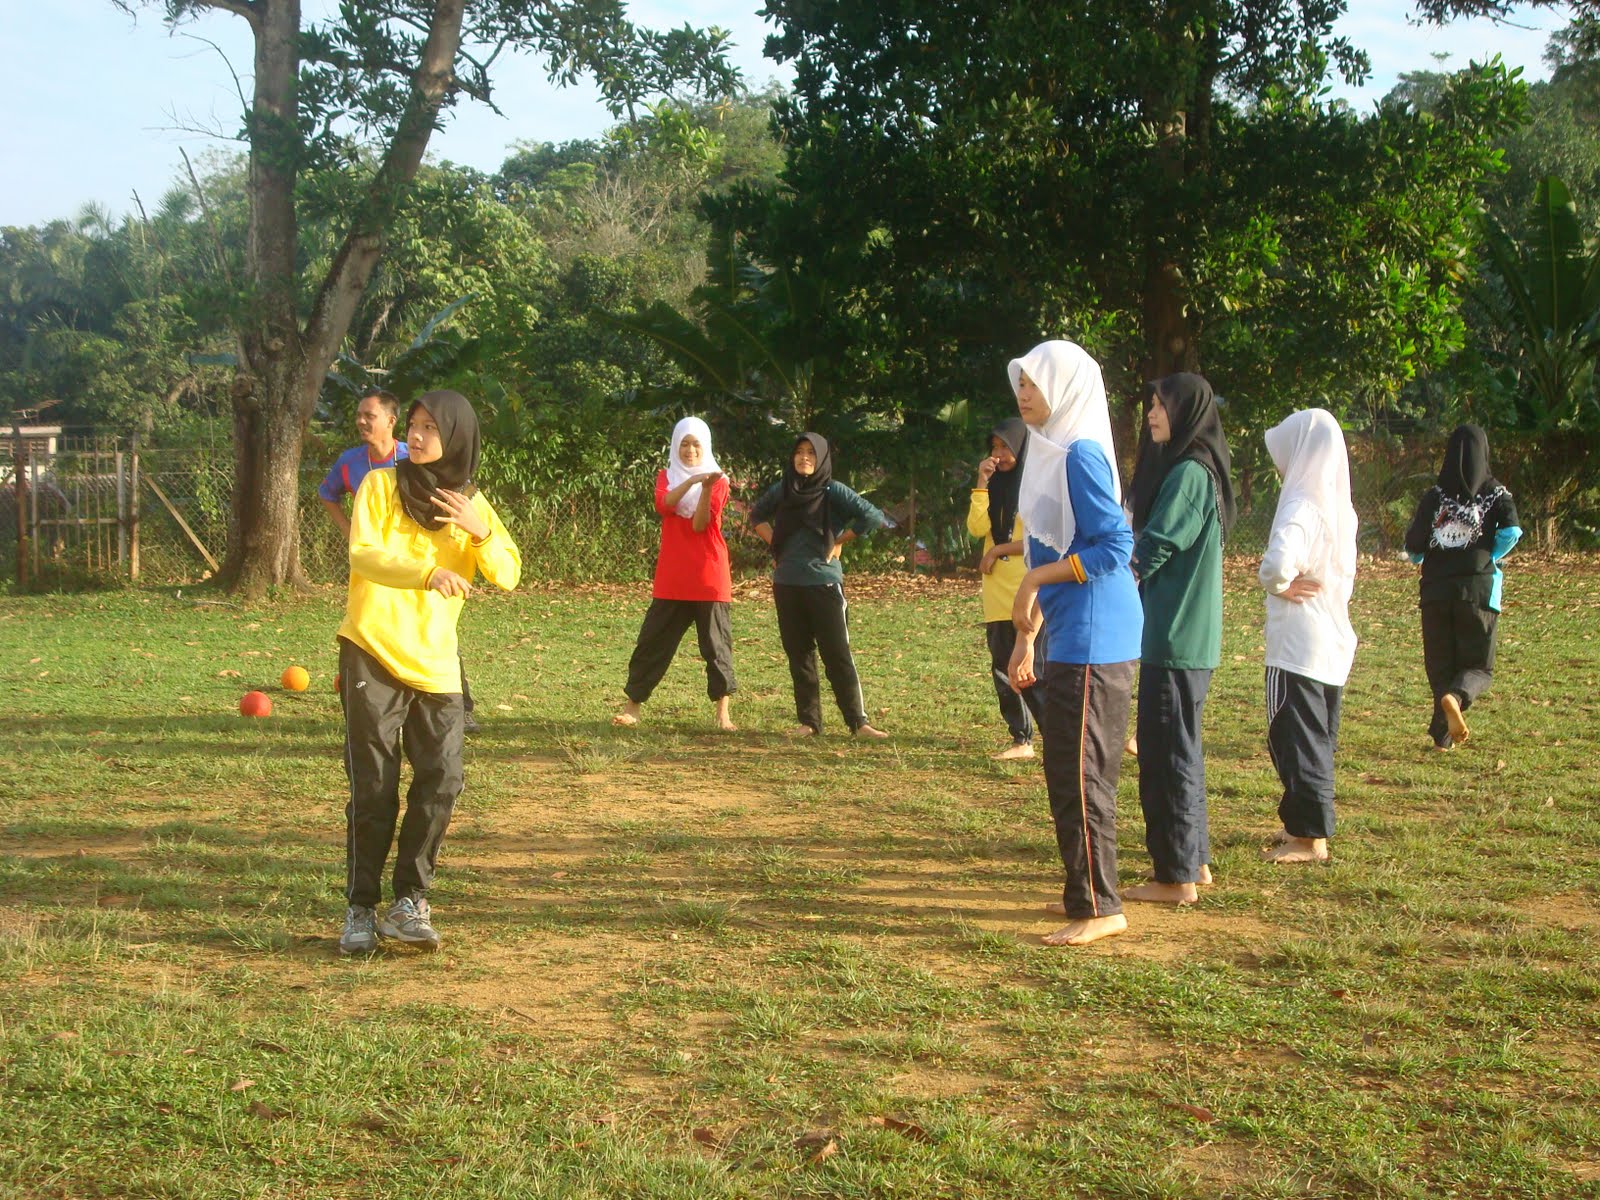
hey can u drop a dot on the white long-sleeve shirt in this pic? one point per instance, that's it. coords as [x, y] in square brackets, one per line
[1314, 639]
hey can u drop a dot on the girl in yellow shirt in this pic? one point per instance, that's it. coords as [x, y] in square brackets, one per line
[994, 508]
[419, 533]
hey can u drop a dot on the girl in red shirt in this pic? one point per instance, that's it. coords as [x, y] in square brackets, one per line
[693, 584]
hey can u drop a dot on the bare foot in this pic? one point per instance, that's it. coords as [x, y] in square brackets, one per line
[867, 731]
[1015, 750]
[1081, 933]
[1454, 717]
[1163, 893]
[1281, 836]
[1298, 850]
[628, 716]
[724, 717]
[802, 731]
[1205, 873]
[1131, 746]
[1442, 747]
[1056, 909]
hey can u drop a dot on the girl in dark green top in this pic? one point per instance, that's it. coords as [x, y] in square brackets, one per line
[1183, 505]
[807, 518]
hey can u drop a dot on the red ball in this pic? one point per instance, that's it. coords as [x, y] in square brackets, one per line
[255, 704]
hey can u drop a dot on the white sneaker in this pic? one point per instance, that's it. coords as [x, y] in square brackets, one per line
[409, 921]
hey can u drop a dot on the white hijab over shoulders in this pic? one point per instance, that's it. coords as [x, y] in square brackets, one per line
[1072, 386]
[677, 472]
[1313, 534]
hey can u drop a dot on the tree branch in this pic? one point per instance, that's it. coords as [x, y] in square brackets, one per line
[250, 10]
[358, 253]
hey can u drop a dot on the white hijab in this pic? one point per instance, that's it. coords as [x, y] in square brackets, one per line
[1308, 449]
[1073, 388]
[677, 472]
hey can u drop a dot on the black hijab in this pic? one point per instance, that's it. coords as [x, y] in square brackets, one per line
[804, 504]
[454, 469]
[1466, 463]
[1004, 485]
[1196, 427]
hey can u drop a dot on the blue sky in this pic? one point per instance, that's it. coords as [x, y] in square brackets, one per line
[99, 99]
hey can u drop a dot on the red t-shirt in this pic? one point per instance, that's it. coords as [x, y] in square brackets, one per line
[692, 566]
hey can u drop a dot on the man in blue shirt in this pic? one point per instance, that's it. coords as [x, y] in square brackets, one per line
[375, 420]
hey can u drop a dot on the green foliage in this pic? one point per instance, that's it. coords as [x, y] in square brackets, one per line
[1550, 301]
[1169, 192]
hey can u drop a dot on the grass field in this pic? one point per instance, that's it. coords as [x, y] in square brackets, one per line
[682, 964]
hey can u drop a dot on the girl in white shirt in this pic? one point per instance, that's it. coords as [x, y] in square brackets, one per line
[1308, 571]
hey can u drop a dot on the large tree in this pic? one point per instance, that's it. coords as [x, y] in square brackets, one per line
[1165, 180]
[378, 75]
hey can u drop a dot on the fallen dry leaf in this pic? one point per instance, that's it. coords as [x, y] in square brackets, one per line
[705, 1136]
[240, 1085]
[230, 674]
[258, 1109]
[271, 1047]
[64, 1035]
[907, 1129]
[819, 1145]
[1203, 1115]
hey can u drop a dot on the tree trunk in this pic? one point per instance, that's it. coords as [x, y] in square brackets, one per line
[281, 363]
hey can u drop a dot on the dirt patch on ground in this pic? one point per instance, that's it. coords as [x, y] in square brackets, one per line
[1573, 911]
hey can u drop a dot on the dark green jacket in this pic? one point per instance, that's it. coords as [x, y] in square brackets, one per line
[1178, 559]
[804, 559]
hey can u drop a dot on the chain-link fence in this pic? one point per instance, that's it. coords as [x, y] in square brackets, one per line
[98, 510]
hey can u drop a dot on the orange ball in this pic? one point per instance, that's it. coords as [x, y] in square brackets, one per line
[255, 704]
[296, 679]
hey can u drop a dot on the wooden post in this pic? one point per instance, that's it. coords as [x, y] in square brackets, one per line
[183, 525]
[911, 558]
[19, 458]
[133, 507]
[122, 513]
[33, 512]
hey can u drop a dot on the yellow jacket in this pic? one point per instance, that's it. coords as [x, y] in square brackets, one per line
[1000, 585]
[391, 613]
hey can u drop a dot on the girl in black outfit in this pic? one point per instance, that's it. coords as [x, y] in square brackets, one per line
[1465, 524]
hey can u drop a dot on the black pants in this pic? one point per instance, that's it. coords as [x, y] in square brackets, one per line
[1458, 654]
[665, 623]
[1172, 771]
[1085, 728]
[1016, 707]
[812, 619]
[1302, 734]
[382, 717]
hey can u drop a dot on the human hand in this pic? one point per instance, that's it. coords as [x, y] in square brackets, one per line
[447, 583]
[986, 468]
[987, 562]
[1020, 670]
[458, 510]
[835, 551]
[1301, 588]
[708, 477]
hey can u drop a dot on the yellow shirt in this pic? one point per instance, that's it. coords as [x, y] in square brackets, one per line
[1000, 585]
[391, 613]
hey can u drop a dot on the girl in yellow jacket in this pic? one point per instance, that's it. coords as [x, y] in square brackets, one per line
[419, 533]
[992, 516]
